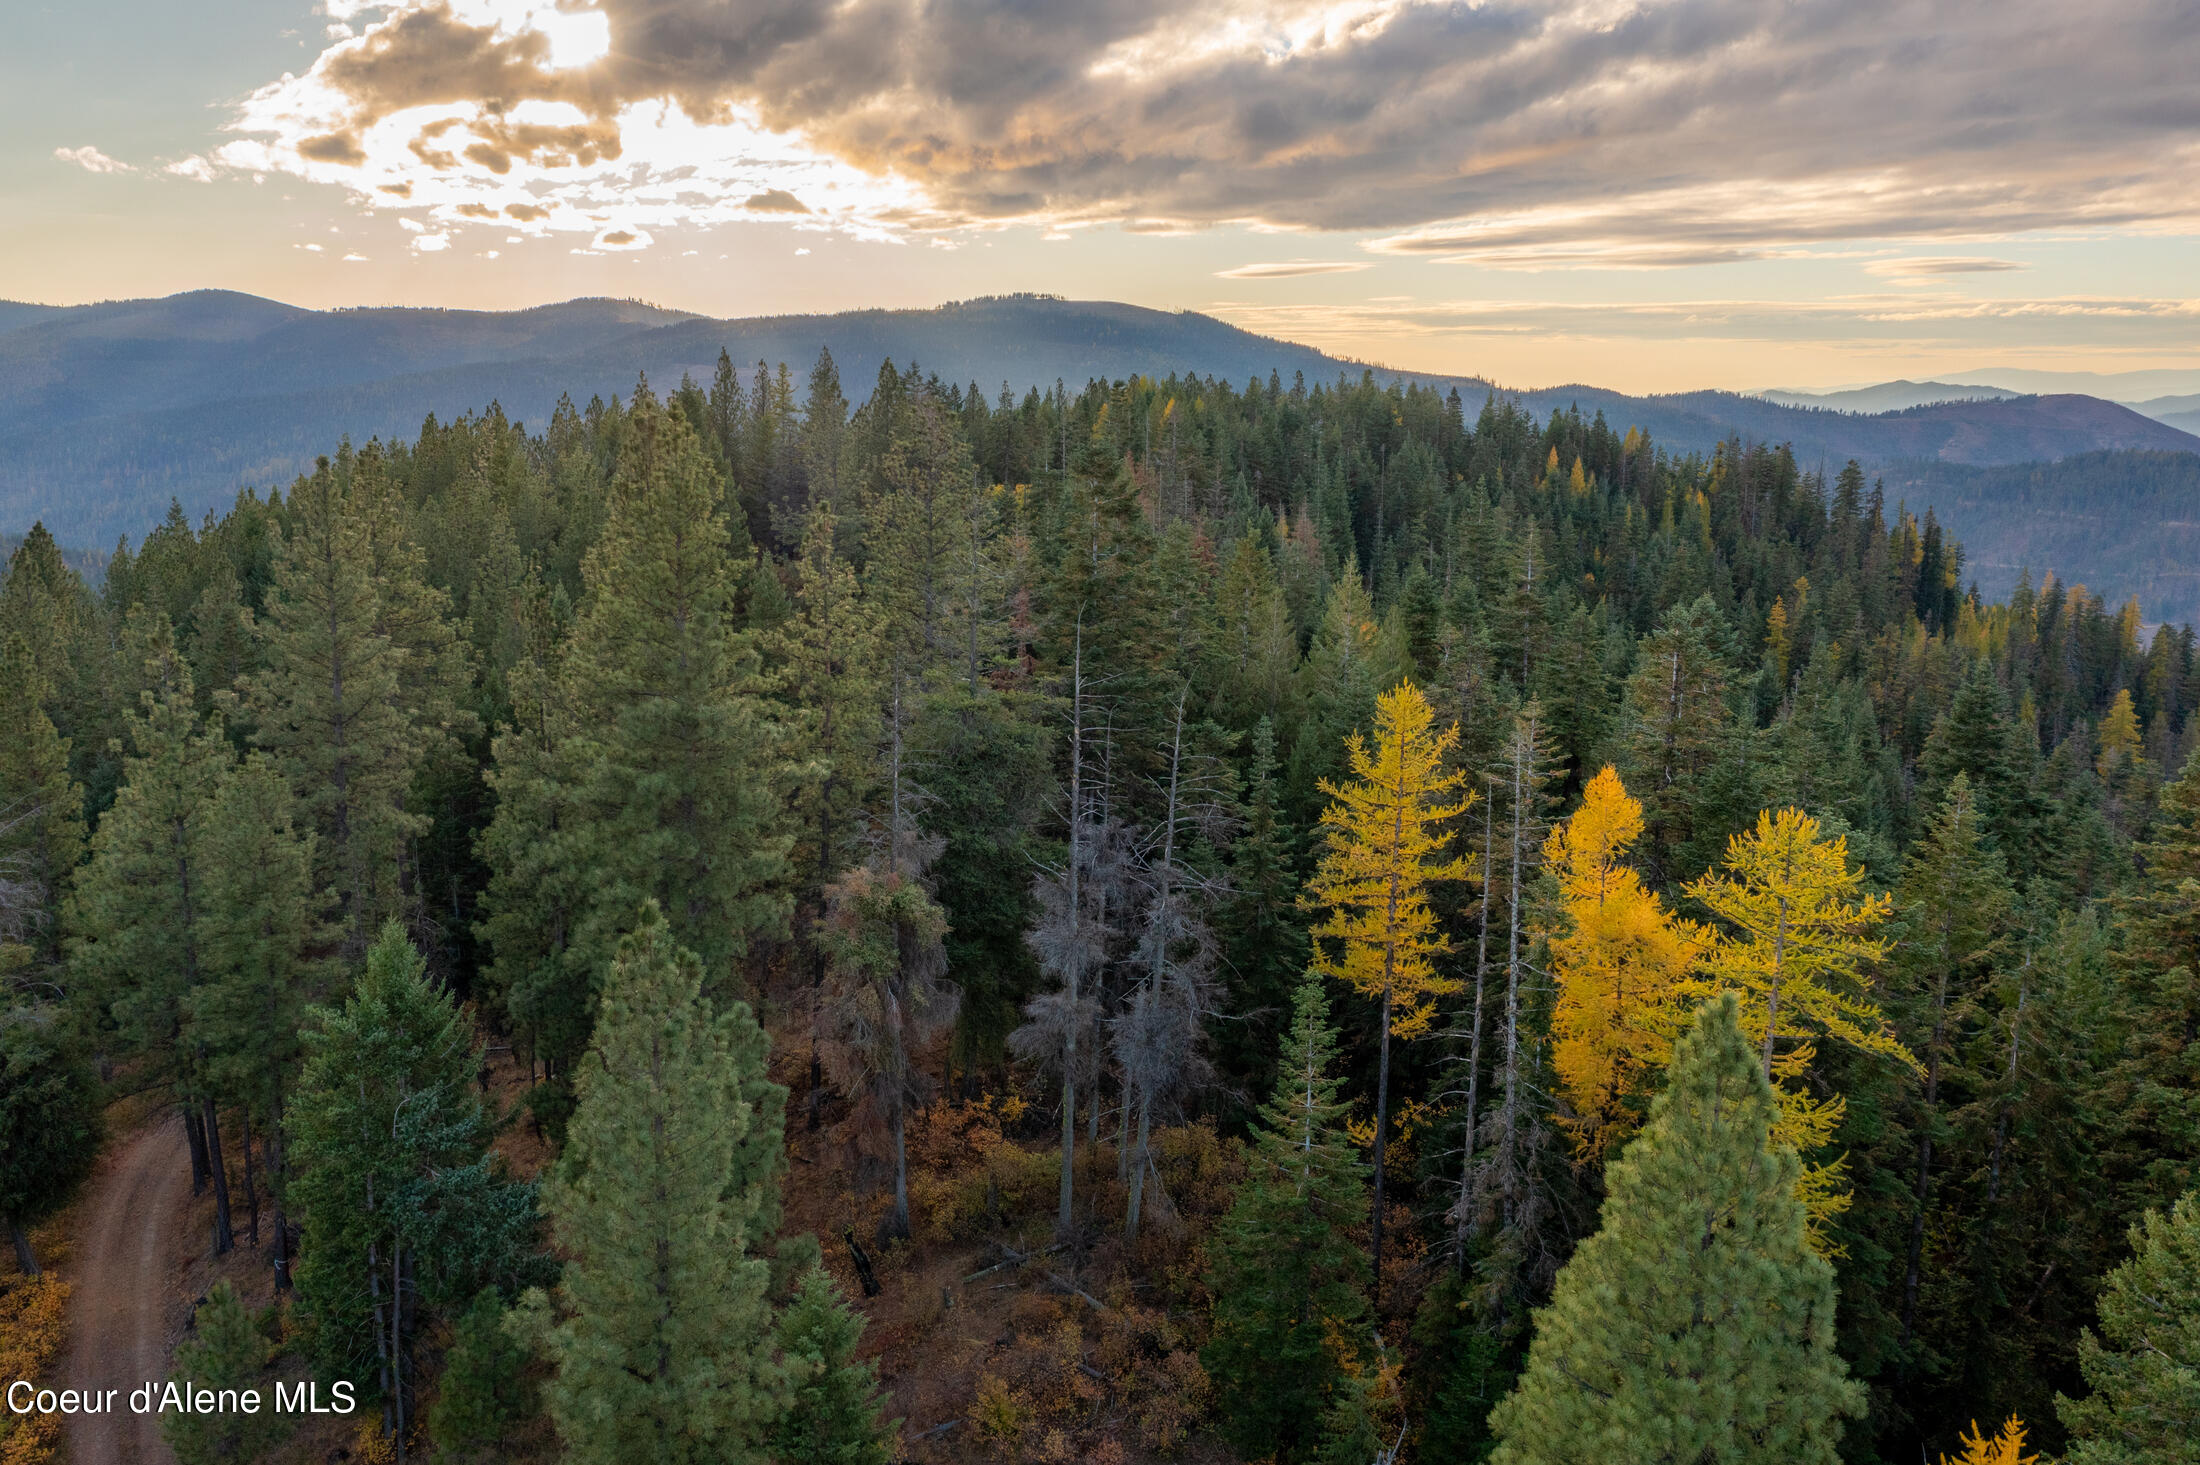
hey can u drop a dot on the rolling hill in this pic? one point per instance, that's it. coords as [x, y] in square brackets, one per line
[1891, 396]
[2122, 523]
[107, 411]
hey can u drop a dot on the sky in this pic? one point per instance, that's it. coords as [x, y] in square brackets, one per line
[1652, 195]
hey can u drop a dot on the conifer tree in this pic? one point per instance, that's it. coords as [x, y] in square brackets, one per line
[1350, 664]
[665, 1350]
[1259, 925]
[986, 766]
[1956, 907]
[1620, 961]
[484, 1393]
[2143, 1371]
[41, 820]
[538, 889]
[226, 1350]
[837, 1416]
[403, 1212]
[1697, 1324]
[886, 998]
[2152, 1089]
[828, 678]
[916, 535]
[1798, 956]
[825, 447]
[1287, 1279]
[258, 931]
[1385, 848]
[139, 897]
[2004, 1447]
[65, 644]
[675, 773]
[1254, 649]
[1675, 723]
[330, 703]
[49, 1121]
[1977, 737]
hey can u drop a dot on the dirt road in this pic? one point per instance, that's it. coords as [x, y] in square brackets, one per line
[128, 1307]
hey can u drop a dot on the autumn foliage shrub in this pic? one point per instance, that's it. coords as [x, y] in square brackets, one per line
[33, 1331]
[966, 1177]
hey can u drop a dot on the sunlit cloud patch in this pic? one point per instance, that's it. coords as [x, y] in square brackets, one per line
[1519, 134]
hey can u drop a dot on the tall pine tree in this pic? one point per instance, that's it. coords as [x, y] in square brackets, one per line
[665, 1352]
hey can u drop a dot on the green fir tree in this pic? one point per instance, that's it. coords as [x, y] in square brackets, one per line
[1289, 1277]
[1697, 1324]
[838, 1413]
[2143, 1372]
[665, 1352]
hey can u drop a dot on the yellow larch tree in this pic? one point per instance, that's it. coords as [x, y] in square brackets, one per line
[1801, 941]
[2005, 1448]
[1622, 963]
[1386, 847]
[2121, 744]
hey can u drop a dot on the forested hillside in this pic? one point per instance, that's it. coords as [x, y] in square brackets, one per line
[108, 411]
[1165, 921]
[2125, 520]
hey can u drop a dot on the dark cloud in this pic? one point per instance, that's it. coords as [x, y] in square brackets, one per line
[1656, 133]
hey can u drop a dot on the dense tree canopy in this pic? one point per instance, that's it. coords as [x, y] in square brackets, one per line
[1008, 761]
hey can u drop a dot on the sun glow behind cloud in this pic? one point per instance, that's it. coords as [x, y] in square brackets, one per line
[544, 165]
[1664, 167]
[1517, 134]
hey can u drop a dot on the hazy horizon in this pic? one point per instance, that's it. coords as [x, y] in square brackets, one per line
[1653, 197]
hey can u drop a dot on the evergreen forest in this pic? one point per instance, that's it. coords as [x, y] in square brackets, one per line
[1163, 920]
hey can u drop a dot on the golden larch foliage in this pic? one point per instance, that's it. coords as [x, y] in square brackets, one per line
[1622, 965]
[1797, 955]
[1386, 847]
[2120, 742]
[2005, 1448]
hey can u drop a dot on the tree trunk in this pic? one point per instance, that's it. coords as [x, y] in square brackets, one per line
[26, 1258]
[2001, 1121]
[1064, 1217]
[1924, 1187]
[275, 1178]
[251, 1182]
[381, 1332]
[897, 1223]
[397, 1347]
[1462, 1215]
[1511, 1122]
[1138, 1169]
[1772, 993]
[225, 1239]
[194, 1134]
[1382, 1135]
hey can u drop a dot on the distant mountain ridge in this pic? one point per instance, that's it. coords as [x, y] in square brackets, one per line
[107, 411]
[1894, 396]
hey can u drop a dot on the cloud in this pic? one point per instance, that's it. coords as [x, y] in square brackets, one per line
[91, 160]
[1291, 269]
[1933, 266]
[1883, 324]
[775, 201]
[1524, 134]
